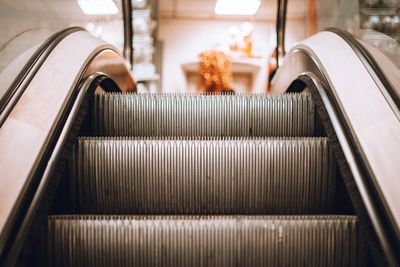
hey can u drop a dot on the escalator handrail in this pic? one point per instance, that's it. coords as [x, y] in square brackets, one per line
[376, 206]
[370, 63]
[22, 80]
[384, 86]
[128, 31]
[95, 56]
[367, 190]
[55, 146]
[280, 29]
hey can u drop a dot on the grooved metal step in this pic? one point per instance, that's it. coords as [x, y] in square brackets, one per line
[203, 115]
[225, 176]
[210, 241]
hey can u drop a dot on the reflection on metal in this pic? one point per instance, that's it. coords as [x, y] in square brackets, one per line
[108, 61]
[203, 241]
[226, 176]
[203, 115]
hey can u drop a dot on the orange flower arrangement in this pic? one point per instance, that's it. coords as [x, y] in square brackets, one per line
[215, 72]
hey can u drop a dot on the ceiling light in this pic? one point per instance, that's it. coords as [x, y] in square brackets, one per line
[98, 7]
[237, 7]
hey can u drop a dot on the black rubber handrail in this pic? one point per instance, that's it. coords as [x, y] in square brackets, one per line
[369, 62]
[382, 211]
[128, 31]
[60, 138]
[24, 77]
[385, 86]
[280, 30]
[379, 220]
[383, 223]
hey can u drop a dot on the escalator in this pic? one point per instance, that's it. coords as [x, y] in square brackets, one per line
[203, 180]
[108, 177]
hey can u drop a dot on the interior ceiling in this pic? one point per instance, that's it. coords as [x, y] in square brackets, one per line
[68, 9]
[185, 9]
[205, 9]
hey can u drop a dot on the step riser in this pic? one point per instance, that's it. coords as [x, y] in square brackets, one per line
[191, 115]
[265, 176]
[240, 242]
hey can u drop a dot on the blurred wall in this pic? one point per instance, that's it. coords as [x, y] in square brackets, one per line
[184, 39]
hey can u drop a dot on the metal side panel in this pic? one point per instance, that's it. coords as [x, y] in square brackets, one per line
[210, 241]
[203, 115]
[231, 176]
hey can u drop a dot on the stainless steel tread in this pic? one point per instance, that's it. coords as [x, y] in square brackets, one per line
[224, 176]
[203, 115]
[203, 241]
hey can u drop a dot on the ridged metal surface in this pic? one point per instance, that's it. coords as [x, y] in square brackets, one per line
[211, 241]
[203, 115]
[232, 176]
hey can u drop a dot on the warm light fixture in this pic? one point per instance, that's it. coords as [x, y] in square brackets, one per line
[98, 7]
[237, 7]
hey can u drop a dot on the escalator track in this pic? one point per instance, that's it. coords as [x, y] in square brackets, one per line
[211, 180]
[199, 180]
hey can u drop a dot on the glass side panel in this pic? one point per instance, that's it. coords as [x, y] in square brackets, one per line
[384, 43]
[376, 22]
[388, 61]
[355, 15]
[25, 25]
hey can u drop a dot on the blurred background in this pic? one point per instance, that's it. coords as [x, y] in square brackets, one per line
[175, 40]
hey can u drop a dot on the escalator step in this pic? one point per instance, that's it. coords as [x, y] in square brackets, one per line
[203, 241]
[203, 115]
[214, 176]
